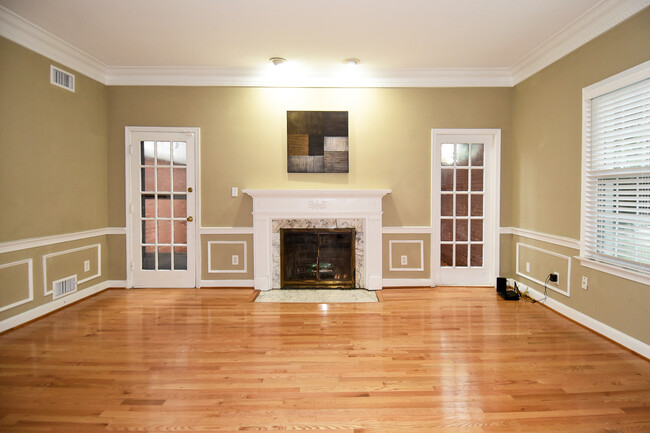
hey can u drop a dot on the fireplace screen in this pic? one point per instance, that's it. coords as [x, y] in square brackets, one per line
[317, 257]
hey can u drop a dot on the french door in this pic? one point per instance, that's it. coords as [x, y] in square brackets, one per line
[465, 211]
[161, 207]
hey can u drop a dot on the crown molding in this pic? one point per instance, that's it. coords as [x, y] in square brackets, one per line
[23, 32]
[174, 76]
[596, 21]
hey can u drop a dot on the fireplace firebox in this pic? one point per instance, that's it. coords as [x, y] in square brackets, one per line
[322, 258]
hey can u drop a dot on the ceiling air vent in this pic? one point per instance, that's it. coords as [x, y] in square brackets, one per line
[61, 78]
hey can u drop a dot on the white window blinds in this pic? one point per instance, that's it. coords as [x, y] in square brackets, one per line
[616, 179]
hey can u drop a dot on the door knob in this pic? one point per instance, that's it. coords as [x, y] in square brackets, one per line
[190, 219]
[189, 189]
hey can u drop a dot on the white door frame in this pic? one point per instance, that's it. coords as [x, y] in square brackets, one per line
[494, 182]
[128, 156]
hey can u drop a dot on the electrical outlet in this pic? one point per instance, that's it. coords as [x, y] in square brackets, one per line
[234, 191]
[235, 259]
[527, 266]
[404, 260]
[554, 277]
[86, 265]
[585, 282]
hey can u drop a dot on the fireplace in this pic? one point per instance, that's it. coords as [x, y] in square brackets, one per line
[277, 209]
[314, 257]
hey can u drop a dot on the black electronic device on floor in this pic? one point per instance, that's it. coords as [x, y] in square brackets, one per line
[504, 292]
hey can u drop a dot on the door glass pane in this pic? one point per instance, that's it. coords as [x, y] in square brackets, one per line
[462, 154]
[477, 154]
[180, 206]
[477, 179]
[447, 179]
[461, 255]
[180, 182]
[163, 153]
[148, 205]
[164, 232]
[179, 155]
[476, 255]
[148, 180]
[447, 154]
[164, 206]
[476, 230]
[446, 255]
[146, 153]
[462, 175]
[461, 230]
[148, 232]
[164, 179]
[461, 205]
[180, 232]
[447, 205]
[165, 257]
[477, 205]
[180, 258]
[447, 230]
[148, 257]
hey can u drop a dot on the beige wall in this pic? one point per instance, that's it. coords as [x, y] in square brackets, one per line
[53, 161]
[49, 263]
[547, 168]
[417, 249]
[52, 149]
[217, 265]
[243, 141]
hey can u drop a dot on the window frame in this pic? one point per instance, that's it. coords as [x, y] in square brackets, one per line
[613, 83]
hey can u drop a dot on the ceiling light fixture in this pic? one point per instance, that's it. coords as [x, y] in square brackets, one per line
[351, 61]
[277, 60]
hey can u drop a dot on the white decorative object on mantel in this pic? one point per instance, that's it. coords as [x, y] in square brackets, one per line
[316, 204]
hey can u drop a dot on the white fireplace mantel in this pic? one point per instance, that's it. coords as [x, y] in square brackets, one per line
[316, 204]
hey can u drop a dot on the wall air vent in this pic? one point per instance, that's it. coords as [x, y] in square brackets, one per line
[64, 286]
[61, 78]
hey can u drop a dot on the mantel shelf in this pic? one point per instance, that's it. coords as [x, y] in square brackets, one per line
[317, 193]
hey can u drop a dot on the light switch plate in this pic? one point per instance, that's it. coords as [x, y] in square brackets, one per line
[234, 191]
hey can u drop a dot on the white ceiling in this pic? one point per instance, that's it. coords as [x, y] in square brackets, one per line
[395, 39]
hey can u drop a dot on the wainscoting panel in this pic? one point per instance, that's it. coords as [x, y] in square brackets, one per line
[17, 278]
[70, 262]
[406, 257]
[219, 268]
[535, 264]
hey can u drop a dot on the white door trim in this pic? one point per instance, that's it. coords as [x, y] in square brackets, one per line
[494, 183]
[128, 131]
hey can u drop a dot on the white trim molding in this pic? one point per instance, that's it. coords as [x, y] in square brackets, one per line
[544, 237]
[602, 17]
[407, 282]
[228, 271]
[596, 21]
[400, 241]
[16, 28]
[35, 313]
[614, 270]
[30, 283]
[226, 230]
[228, 283]
[621, 338]
[566, 276]
[406, 230]
[24, 244]
[47, 292]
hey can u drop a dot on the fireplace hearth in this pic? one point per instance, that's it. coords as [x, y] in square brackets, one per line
[317, 258]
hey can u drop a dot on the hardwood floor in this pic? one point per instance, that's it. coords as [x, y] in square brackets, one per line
[424, 360]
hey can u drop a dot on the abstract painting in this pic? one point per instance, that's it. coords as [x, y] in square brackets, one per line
[317, 142]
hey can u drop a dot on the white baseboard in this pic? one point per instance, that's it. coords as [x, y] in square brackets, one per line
[228, 283]
[116, 284]
[407, 282]
[621, 338]
[42, 310]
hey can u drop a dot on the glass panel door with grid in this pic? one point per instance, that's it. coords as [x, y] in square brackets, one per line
[463, 209]
[161, 210]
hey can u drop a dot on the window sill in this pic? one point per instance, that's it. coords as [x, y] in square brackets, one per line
[639, 277]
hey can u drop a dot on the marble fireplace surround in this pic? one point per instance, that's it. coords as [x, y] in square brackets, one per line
[274, 209]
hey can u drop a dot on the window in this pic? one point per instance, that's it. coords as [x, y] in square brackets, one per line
[616, 172]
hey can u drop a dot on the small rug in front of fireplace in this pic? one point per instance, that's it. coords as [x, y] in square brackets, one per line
[317, 296]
